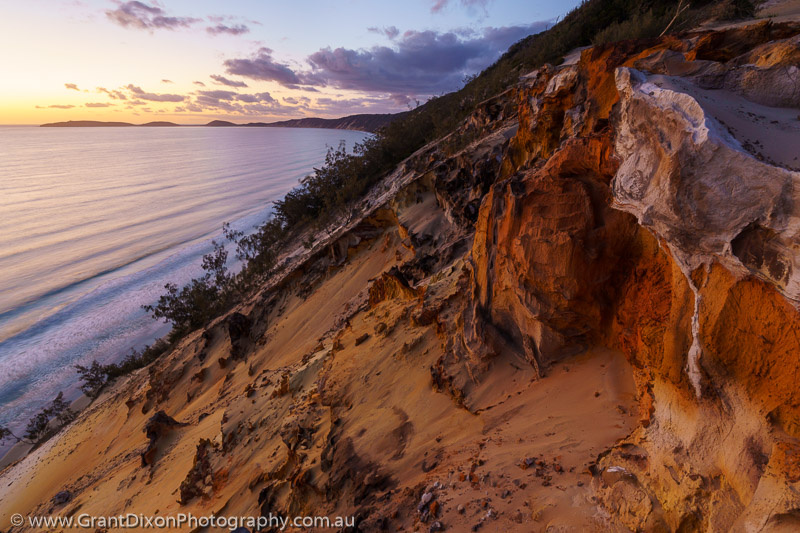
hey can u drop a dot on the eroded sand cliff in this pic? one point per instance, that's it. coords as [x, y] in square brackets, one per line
[577, 312]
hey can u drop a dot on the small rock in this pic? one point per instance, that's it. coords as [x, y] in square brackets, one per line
[460, 508]
[434, 509]
[362, 338]
[436, 526]
[62, 497]
[424, 501]
[506, 494]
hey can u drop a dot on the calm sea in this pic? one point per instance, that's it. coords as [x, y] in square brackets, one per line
[94, 222]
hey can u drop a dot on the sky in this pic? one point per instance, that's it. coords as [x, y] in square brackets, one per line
[191, 61]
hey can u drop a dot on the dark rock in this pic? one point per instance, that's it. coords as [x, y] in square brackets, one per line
[200, 476]
[62, 497]
[436, 526]
[158, 425]
[238, 326]
[239, 331]
[362, 338]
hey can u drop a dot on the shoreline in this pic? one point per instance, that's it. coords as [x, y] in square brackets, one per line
[107, 291]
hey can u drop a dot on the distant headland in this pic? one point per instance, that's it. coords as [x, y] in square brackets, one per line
[364, 122]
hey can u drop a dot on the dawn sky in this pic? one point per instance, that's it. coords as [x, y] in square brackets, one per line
[246, 60]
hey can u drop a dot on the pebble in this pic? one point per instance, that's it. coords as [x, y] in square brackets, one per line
[424, 501]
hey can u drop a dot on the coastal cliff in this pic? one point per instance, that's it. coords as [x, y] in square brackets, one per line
[576, 312]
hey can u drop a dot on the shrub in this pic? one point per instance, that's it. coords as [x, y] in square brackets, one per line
[93, 379]
[6, 434]
[58, 411]
[642, 25]
[36, 428]
[201, 300]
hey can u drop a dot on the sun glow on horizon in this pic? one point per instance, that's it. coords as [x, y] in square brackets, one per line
[192, 62]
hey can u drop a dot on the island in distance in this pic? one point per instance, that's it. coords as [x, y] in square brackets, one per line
[364, 122]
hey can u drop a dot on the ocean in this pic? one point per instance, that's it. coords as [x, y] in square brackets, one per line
[94, 222]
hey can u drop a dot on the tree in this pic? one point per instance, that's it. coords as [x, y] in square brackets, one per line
[61, 411]
[93, 378]
[37, 427]
[58, 410]
[7, 434]
[201, 300]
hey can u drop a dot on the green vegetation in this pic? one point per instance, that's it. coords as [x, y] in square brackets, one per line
[58, 411]
[95, 376]
[43, 424]
[6, 435]
[327, 197]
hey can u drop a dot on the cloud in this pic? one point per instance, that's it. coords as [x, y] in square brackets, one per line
[142, 16]
[236, 29]
[419, 62]
[137, 92]
[200, 83]
[225, 81]
[264, 97]
[439, 5]
[116, 95]
[98, 104]
[233, 103]
[263, 67]
[71, 86]
[349, 106]
[167, 81]
[55, 106]
[219, 95]
[391, 32]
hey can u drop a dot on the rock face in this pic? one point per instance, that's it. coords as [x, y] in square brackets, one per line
[577, 312]
[157, 426]
[699, 287]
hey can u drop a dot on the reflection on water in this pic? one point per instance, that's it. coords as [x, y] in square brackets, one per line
[94, 222]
